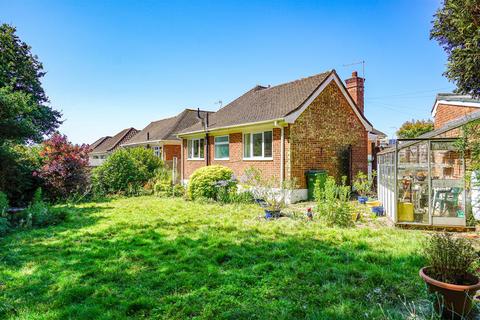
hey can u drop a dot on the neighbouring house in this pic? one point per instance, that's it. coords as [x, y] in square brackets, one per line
[161, 136]
[285, 130]
[376, 141]
[423, 181]
[103, 147]
[451, 106]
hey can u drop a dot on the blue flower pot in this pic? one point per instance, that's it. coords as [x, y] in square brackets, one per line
[378, 211]
[271, 214]
[362, 199]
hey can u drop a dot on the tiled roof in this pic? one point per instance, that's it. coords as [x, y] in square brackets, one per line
[378, 133]
[98, 142]
[264, 103]
[110, 143]
[166, 129]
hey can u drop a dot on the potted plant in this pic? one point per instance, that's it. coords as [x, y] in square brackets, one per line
[363, 186]
[267, 193]
[449, 274]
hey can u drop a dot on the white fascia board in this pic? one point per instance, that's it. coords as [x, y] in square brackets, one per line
[332, 77]
[454, 103]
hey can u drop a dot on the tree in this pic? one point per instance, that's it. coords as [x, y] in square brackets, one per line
[63, 169]
[456, 27]
[414, 128]
[24, 112]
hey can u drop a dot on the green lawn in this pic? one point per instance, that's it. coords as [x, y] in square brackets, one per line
[172, 259]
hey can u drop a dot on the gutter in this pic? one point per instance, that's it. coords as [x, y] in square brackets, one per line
[180, 135]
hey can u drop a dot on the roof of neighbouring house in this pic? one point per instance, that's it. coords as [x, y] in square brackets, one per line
[108, 143]
[378, 133]
[455, 99]
[166, 129]
[98, 142]
[265, 103]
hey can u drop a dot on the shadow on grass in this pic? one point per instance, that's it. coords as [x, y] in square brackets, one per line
[129, 271]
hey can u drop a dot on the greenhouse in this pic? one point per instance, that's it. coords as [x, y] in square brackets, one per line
[422, 181]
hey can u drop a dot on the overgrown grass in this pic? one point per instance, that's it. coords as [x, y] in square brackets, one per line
[171, 259]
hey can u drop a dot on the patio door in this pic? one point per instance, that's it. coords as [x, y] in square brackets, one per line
[447, 184]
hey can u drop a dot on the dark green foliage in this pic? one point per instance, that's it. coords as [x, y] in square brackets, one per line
[24, 114]
[166, 258]
[204, 182]
[126, 171]
[17, 164]
[4, 226]
[450, 258]
[456, 27]
[414, 128]
[333, 202]
[3, 204]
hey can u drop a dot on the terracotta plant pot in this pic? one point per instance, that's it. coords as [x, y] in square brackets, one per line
[454, 301]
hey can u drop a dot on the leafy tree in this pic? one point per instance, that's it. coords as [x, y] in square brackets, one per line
[456, 27]
[414, 128]
[64, 167]
[24, 113]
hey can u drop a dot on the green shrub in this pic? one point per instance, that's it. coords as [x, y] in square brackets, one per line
[4, 226]
[204, 181]
[450, 259]
[40, 214]
[333, 202]
[126, 171]
[3, 204]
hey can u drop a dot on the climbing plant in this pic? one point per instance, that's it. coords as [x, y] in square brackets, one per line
[469, 146]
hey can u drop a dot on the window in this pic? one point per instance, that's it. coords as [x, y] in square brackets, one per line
[222, 151]
[95, 157]
[195, 149]
[157, 151]
[257, 145]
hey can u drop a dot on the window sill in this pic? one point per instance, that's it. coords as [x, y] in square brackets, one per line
[257, 159]
[195, 159]
[221, 159]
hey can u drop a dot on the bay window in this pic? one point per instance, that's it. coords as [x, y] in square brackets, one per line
[195, 149]
[257, 145]
[222, 151]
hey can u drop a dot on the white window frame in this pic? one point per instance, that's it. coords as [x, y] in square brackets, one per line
[215, 143]
[192, 144]
[157, 151]
[252, 157]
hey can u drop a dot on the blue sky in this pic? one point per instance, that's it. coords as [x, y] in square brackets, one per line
[116, 64]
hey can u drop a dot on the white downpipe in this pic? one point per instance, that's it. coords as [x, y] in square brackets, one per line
[181, 164]
[282, 151]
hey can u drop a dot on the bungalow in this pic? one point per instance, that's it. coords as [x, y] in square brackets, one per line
[285, 130]
[103, 147]
[424, 181]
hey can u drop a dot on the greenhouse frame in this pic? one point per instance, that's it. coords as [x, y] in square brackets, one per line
[422, 181]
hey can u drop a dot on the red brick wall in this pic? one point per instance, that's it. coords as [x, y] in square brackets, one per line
[325, 127]
[446, 113]
[172, 150]
[269, 168]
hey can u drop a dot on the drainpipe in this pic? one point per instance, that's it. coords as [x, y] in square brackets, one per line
[282, 151]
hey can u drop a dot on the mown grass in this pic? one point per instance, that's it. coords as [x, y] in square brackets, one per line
[172, 259]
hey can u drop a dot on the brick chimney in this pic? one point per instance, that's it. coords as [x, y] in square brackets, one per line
[355, 87]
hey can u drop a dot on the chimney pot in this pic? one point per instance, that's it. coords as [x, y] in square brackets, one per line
[354, 74]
